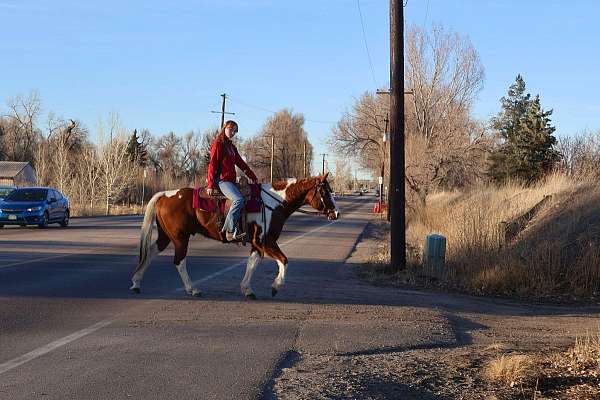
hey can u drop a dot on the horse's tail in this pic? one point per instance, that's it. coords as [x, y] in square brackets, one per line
[146, 235]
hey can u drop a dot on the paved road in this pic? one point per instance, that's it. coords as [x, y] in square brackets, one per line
[69, 327]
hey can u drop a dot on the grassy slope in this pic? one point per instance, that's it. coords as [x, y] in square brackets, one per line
[556, 256]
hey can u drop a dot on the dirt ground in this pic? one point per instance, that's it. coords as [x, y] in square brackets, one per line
[475, 334]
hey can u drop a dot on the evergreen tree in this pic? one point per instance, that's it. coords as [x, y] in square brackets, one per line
[526, 151]
[136, 150]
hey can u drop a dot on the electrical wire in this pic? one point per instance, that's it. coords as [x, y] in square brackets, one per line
[366, 45]
[236, 100]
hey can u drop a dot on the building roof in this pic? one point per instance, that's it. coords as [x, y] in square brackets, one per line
[10, 169]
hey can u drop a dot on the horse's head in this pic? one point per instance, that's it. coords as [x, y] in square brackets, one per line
[321, 198]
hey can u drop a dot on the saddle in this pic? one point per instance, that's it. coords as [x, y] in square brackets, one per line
[218, 204]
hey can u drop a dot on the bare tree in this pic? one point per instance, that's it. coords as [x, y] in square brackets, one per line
[342, 180]
[114, 165]
[168, 150]
[444, 145]
[580, 155]
[192, 157]
[290, 140]
[89, 176]
[359, 133]
[20, 131]
[66, 143]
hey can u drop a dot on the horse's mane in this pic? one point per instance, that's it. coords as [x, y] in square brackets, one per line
[295, 189]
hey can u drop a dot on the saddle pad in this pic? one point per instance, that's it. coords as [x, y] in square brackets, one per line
[206, 203]
[253, 203]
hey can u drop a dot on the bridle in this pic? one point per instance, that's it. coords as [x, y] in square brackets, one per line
[317, 188]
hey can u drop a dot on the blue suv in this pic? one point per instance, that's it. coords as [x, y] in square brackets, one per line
[34, 206]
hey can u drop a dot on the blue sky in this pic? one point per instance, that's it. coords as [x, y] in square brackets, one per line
[162, 65]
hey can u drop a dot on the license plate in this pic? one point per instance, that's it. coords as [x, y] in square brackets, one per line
[12, 217]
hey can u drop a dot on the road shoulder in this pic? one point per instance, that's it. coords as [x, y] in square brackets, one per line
[448, 347]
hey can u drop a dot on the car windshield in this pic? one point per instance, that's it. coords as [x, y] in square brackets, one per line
[27, 195]
[5, 190]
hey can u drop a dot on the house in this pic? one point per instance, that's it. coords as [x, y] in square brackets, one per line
[15, 173]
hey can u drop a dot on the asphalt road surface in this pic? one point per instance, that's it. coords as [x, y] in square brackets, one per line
[71, 329]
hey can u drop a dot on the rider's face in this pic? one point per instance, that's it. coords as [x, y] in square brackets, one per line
[230, 132]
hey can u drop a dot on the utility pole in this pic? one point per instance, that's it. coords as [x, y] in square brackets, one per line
[272, 155]
[397, 201]
[384, 151]
[143, 189]
[304, 161]
[323, 170]
[223, 112]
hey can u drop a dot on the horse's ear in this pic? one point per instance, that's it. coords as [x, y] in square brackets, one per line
[324, 177]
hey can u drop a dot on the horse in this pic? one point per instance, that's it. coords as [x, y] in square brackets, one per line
[176, 220]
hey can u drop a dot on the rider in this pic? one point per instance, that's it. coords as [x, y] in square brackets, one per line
[221, 173]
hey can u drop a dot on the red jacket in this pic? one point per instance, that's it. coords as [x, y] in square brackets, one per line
[223, 159]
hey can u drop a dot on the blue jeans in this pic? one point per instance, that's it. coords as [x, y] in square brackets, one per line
[230, 190]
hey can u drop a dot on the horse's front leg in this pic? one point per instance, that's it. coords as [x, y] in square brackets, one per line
[180, 264]
[253, 261]
[275, 252]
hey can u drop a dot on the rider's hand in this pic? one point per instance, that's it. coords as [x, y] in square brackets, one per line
[210, 191]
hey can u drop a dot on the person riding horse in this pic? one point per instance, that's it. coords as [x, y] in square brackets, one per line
[221, 174]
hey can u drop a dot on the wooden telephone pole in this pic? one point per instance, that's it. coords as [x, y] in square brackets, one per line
[323, 170]
[272, 155]
[397, 196]
[304, 160]
[223, 112]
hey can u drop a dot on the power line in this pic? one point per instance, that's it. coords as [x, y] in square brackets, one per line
[366, 46]
[236, 100]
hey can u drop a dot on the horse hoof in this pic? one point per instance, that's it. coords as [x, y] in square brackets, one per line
[135, 290]
[251, 296]
[273, 292]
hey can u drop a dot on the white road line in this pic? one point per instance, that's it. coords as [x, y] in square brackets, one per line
[15, 362]
[39, 259]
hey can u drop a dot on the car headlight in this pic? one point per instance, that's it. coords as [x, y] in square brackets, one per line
[38, 208]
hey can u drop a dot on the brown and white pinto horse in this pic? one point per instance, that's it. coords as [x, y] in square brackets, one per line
[176, 221]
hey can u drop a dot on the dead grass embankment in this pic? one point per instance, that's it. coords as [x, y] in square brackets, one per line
[496, 246]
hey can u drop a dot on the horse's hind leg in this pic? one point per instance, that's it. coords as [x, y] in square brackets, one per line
[161, 243]
[180, 263]
[275, 252]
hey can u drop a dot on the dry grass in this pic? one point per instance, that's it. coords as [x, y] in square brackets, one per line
[510, 370]
[570, 374]
[81, 211]
[556, 255]
[583, 359]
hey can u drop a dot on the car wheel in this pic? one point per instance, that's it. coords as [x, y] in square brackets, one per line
[44, 222]
[65, 221]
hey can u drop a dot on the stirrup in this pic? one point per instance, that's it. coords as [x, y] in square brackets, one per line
[231, 237]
